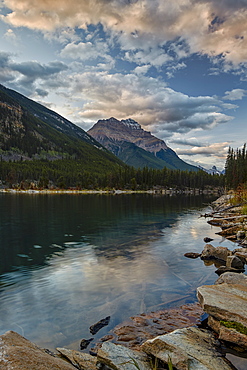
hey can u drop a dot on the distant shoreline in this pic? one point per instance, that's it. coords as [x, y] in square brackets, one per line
[113, 191]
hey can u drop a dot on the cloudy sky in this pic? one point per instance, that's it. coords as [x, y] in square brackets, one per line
[178, 67]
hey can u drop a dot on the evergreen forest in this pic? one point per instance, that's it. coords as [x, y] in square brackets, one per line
[73, 174]
[236, 168]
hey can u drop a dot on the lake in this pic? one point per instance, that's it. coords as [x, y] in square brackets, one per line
[70, 260]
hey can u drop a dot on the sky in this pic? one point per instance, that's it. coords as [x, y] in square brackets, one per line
[179, 68]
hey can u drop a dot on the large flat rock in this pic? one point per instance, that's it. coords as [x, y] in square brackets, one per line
[188, 349]
[118, 357]
[18, 353]
[226, 302]
[82, 361]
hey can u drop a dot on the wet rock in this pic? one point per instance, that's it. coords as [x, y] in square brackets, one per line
[207, 240]
[192, 255]
[106, 338]
[82, 361]
[121, 358]
[18, 353]
[211, 252]
[230, 231]
[188, 348]
[234, 262]
[223, 269]
[84, 343]
[99, 325]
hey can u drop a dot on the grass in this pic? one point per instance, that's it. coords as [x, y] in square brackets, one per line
[234, 325]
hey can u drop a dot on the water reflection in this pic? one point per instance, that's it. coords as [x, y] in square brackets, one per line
[68, 261]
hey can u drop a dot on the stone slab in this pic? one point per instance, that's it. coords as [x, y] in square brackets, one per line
[122, 358]
[18, 353]
[188, 349]
[224, 301]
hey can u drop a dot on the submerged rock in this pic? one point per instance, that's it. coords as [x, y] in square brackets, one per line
[192, 255]
[99, 325]
[135, 331]
[207, 240]
[188, 348]
[84, 343]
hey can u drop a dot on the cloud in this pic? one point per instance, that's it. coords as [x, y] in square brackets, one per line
[145, 99]
[193, 141]
[214, 150]
[235, 94]
[10, 36]
[206, 27]
[23, 76]
[86, 51]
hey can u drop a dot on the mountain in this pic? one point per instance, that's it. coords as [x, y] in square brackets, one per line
[213, 171]
[135, 146]
[28, 130]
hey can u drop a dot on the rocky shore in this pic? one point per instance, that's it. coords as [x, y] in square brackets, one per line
[171, 339]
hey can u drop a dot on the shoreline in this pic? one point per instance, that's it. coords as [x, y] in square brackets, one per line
[148, 321]
[169, 191]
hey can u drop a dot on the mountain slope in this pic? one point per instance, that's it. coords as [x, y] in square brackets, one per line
[135, 146]
[29, 130]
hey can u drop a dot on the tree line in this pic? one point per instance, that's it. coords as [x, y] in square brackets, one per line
[236, 167]
[69, 173]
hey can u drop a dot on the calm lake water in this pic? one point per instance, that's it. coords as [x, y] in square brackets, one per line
[68, 261]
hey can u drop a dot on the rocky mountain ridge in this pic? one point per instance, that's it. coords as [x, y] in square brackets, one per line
[135, 146]
[29, 130]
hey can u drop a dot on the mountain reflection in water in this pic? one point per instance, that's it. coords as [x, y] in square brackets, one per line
[67, 261]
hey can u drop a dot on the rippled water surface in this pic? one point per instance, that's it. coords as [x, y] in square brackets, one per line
[68, 261]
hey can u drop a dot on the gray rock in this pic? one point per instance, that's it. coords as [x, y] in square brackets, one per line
[122, 358]
[188, 349]
[211, 252]
[18, 353]
[82, 361]
[234, 262]
[232, 278]
[224, 301]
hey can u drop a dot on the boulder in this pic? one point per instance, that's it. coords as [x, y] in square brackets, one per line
[232, 278]
[18, 353]
[235, 262]
[121, 358]
[226, 305]
[82, 361]
[188, 348]
[224, 301]
[211, 252]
